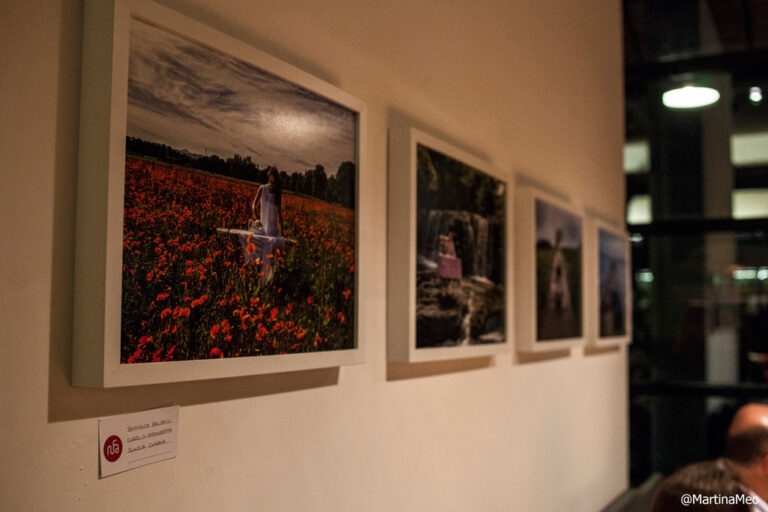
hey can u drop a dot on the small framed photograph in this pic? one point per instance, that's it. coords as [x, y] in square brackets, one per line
[449, 255]
[610, 285]
[217, 206]
[550, 264]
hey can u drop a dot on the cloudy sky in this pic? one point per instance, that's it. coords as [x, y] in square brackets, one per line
[192, 97]
[550, 218]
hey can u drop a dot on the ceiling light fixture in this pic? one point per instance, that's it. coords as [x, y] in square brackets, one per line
[755, 94]
[690, 96]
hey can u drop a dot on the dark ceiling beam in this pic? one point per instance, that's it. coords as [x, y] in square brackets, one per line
[752, 65]
[631, 32]
[745, 177]
[749, 33]
[755, 176]
[700, 225]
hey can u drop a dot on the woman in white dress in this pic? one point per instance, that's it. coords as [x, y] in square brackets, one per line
[267, 225]
[269, 197]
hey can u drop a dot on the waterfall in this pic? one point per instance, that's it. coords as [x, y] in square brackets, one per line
[480, 263]
[473, 236]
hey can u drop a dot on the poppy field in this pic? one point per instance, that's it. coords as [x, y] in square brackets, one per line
[188, 291]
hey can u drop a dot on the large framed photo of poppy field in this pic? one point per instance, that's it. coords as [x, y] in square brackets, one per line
[551, 269]
[216, 215]
[449, 283]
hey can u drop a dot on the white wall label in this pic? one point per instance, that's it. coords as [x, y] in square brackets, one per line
[129, 441]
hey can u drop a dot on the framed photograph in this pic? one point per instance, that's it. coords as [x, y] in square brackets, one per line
[550, 272]
[610, 285]
[217, 206]
[449, 231]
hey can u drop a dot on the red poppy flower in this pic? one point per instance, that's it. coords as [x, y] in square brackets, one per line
[216, 353]
[215, 330]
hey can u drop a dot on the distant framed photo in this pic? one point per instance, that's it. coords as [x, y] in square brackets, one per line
[611, 286]
[550, 272]
[449, 259]
[217, 217]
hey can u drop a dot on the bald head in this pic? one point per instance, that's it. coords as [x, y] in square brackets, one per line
[748, 417]
[747, 441]
[747, 447]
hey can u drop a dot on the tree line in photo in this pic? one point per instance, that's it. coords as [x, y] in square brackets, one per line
[445, 183]
[338, 189]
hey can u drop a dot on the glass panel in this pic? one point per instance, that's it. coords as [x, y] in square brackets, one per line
[749, 148]
[656, 431]
[639, 209]
[750, 203]
[701, 307]
[637, 157]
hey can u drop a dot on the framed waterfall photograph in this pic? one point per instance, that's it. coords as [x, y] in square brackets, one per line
[550, 272]
[610, 285]
[448, 274]
[217, 210]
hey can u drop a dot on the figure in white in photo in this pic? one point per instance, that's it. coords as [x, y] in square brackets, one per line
[267, 206]
[265, 230]
[559, 296]
[611, 314]
[266, 225]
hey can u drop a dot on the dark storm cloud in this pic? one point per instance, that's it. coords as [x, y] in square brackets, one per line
[143, 97]
[189, 96]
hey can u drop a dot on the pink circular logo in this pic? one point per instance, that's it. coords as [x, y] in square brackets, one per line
[113, 448]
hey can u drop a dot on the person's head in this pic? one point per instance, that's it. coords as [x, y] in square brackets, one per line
[746, 447]
[273, 179]
[706, 479]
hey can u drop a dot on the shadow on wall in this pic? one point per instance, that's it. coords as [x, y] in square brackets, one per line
[69, 403]
[403, 371]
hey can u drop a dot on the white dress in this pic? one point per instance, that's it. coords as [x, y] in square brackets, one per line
[269, 213]
[262, 239]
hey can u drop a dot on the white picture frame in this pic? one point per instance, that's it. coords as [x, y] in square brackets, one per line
[402, 280]
[609, 246]
[100, 204]
[535, 332]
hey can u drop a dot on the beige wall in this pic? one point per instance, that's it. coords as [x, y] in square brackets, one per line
[534, 86]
